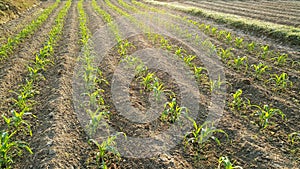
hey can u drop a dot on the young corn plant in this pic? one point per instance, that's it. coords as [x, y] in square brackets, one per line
[164, 43]
[202, 134]
[225, 54]
[96, 117]
[188, 60]
[207, 29]
[281, 59]
[179, 52]
[228, 38]
[7, 48]
[199, 72]
[237, 102]
[17, 123]
[147, 81]
[123, 47]
[216, 84]
[221, 34]
[259, 69]
[265, 113]
[172, 111]
[224, 161]
[239, 62]
[294, 137]
[281, 81]
[214, 31]
[158, 89]
[210, 46]
[251, 46]
[265, 51]
[106, 151]
[238, 42]
[10, 148]
[103, 13]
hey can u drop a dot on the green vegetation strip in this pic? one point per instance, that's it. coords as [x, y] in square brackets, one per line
[16, 126]
[7, 48]
[288, 34]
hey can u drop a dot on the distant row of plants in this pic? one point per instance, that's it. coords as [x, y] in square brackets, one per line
[7, 49]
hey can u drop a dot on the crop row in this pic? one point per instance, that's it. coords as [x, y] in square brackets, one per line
[7, 48]
[95, 106]
[16, 125]
[287, 34]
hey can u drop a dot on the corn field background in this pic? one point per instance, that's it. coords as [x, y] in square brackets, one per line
[150, 84]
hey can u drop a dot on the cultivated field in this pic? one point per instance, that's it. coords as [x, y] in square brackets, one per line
[151, 84]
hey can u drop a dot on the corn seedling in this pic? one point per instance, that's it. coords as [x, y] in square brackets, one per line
[226, 163]
[281, 59]
[172, 111]
[265, 113]
[165, 44]
[207, 28]
[202, 134]
[9, 149]
[265, 51]
[228, 38]
[210, 46]
[216, 84]
[294, 137]
[238, 42]
[17, 121]
[103, 13]
[179, 52]
[199, 72]
[225, 54]
[188, 60]
[240, 61]
[120, 11]
[147, 81]
[221, 34]
[251, 46]
[259, 69]
[281, 81]
[96, 117]
[129, 7]
[214, 31]
[123, 47]
[237, 102]
[106, 150]
[157, 88]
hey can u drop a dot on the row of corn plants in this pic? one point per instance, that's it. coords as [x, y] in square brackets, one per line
[28, 30]
[96, 107]
[149, 80]
[16, 124]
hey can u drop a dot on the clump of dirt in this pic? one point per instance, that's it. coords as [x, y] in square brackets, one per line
[12, 9]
